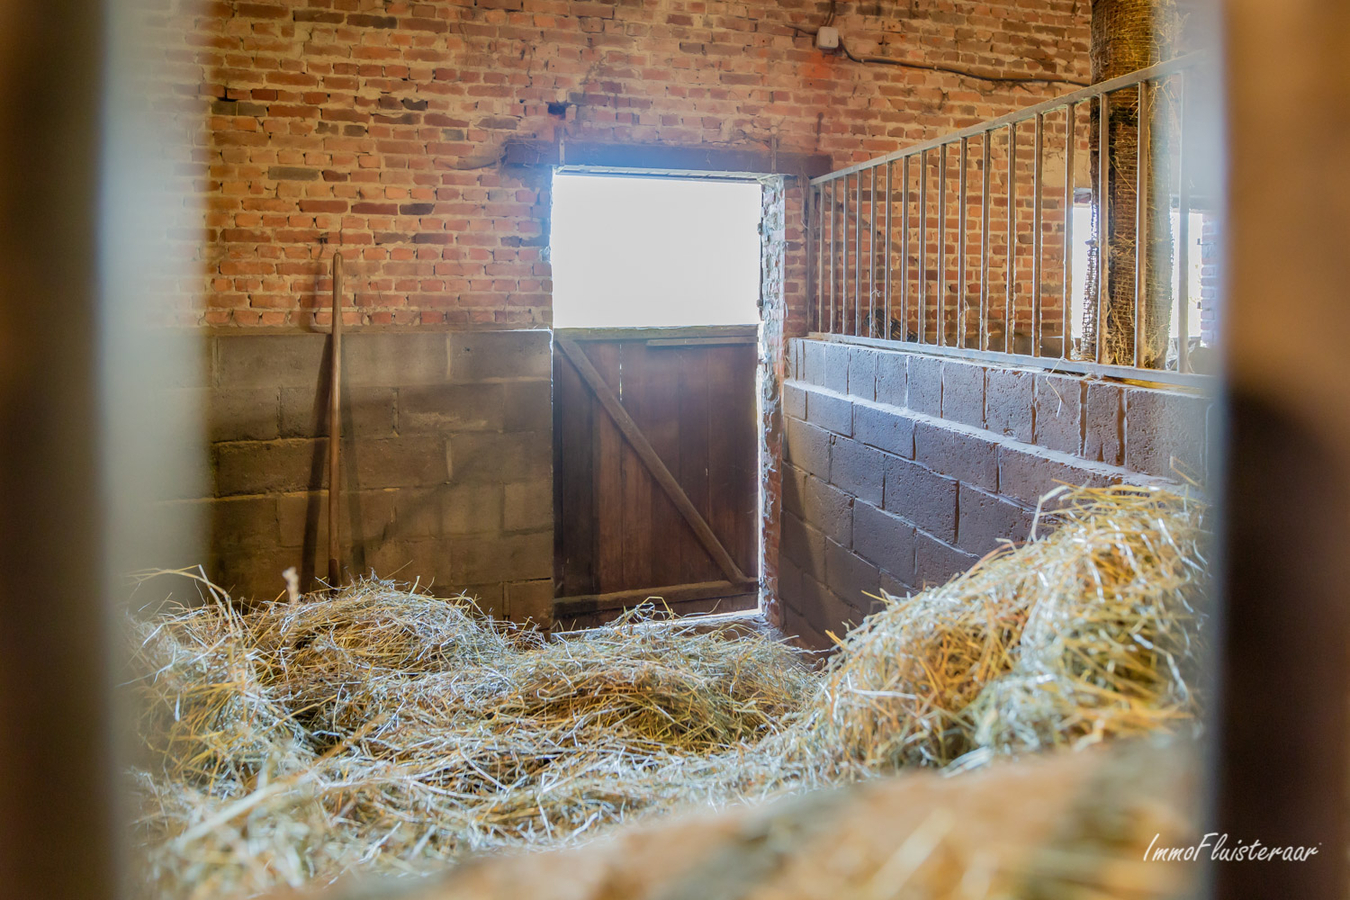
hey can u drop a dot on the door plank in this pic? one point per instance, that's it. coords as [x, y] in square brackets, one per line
[660, 422]
[695, 418]
[608, 450]
[731, 445]
[605, 394]
[575, 520]
[636, 504]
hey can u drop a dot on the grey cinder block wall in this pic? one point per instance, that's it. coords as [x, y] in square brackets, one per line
[446, 459]
[901, 469]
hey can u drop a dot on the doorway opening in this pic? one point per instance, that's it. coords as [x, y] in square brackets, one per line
[657, 444]
[654, 251]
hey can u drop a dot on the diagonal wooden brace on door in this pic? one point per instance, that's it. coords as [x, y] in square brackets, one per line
[647, 453]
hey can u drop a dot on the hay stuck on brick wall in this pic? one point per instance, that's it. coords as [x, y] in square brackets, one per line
[386, 730]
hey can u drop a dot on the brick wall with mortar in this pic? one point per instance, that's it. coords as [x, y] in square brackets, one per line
[381, 125]
[446, 460]
[902, 469]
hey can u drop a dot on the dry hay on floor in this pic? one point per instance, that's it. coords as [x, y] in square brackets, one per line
[1069, 826]
[386, 730]
[1089, 631]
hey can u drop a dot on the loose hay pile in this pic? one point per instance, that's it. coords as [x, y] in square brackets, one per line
[1087, 633]
[385, 730]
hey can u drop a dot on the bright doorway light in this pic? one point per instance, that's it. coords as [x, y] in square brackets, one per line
[654, 251]
[1082, 238]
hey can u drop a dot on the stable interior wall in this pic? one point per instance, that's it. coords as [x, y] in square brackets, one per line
[446, 462]
[385, 128]
[418, 139]
[902, 469]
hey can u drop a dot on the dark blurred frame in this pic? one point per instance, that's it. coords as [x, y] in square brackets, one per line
[1280, 754]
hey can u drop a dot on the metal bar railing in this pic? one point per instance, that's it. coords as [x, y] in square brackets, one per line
[923, 244]
[922, 316]
[988, 140]
[890, 193]
[817, 217]
[942, 247]
[843, 251]
[1183, 235]
[961, 317]
[1036, 320]
[1103, 221]
[1010, 299]
[1140, 224]
[1037, 234]
[1151, 73]
[857, 255]
[872, 258]
[1066, 299]
[832, 259]
[904, 250]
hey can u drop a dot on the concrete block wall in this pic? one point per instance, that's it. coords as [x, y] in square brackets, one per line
[901, 470]
[446, 461]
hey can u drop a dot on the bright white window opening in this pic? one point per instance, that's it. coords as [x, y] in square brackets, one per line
[653, 251]
[1083, 235]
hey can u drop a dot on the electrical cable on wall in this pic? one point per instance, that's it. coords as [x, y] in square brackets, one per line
[931, 67]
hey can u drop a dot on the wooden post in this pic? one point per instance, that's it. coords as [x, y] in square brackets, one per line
[335, 432]
[58, 777]
[1282, 724]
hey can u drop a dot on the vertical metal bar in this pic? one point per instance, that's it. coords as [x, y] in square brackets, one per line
[1010, 300]
[1103, 209]
[857, 255]
[1184, 235]
[1065, 301]
[843, 260]
[872, 258]
[1037, 209]
[1141, 224]
[904, 250]
[817, 220]
[984, 240]
[886, 290]
[941, 335]
[833, 278]
[809, 245]
[923, 243]
[961, 249]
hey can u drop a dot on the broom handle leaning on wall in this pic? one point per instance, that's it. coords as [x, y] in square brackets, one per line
[335, 429]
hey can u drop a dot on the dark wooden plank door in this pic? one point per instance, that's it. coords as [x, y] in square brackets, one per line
[656, 468]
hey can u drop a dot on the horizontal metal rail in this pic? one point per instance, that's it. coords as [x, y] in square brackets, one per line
[1015, 274]
[1152, 73]
[1017, 360]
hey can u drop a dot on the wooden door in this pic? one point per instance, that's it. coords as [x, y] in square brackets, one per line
[656, 469]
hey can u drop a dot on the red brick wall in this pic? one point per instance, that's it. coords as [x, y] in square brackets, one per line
[380, 125]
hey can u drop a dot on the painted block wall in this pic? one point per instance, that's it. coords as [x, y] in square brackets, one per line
[901, 469]
[446, 462]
